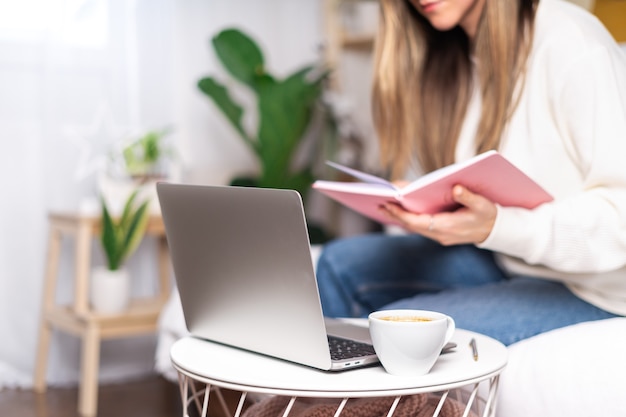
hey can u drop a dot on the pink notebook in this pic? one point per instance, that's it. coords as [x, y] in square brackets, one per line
[488, 174]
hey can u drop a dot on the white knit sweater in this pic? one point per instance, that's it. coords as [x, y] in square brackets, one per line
[569, 134]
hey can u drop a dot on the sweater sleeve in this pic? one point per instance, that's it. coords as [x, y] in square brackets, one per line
[584, 231]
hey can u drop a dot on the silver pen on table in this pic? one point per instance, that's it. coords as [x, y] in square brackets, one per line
[474, 348]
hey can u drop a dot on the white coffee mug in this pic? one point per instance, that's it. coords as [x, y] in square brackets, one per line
[408, 342]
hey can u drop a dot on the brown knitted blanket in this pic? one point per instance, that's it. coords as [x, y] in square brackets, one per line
[419, 405]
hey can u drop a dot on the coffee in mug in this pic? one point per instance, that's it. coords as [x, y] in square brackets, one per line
[405, 318]
[408, 342]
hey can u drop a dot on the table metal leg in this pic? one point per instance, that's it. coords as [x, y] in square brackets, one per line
[490, 404]
[223, 404]
[470, 401]
[190, 393]
[474, 400]
[395, 403]
[289, 406]
[442, 401]
[341, 407]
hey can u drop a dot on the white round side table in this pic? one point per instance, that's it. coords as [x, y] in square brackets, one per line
[214, 366]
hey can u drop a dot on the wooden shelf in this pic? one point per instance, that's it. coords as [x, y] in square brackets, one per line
[358, 42]
[140, 318]
[78, 318]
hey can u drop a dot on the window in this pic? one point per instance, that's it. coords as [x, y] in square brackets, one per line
[82, 23]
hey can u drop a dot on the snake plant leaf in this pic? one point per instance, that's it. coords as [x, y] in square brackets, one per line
[233, 111]
[108, 239]
[120, 237]
[125, 218]
[136, 228]
[239, 54]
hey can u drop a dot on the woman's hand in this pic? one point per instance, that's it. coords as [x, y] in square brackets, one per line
[471, 223]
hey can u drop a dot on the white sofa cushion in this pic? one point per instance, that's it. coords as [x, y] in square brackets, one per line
[576, 371]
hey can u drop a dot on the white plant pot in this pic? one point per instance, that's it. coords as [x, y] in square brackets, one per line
[117, 191]
[110, 290]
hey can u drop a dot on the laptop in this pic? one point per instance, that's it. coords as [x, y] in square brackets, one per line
[244, 271]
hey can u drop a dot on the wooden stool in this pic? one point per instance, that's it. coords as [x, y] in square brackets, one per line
[78, 319]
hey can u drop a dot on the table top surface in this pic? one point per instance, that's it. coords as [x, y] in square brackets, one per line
[241, 370]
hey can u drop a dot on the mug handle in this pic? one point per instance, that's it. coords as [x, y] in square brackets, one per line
[450, 330]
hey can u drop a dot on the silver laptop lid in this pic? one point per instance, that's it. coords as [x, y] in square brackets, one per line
[243, 268]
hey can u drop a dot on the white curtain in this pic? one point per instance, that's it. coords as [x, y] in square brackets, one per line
[77, 77]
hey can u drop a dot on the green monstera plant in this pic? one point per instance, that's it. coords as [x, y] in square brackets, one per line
[285, 109]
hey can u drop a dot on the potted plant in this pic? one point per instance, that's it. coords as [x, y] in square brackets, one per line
[145, 157]
[137, 166]
[285, 109]
[120, 236]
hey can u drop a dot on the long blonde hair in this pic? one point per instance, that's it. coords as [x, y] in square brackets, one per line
[423, 80]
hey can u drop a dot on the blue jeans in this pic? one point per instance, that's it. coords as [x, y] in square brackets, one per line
[361, 274]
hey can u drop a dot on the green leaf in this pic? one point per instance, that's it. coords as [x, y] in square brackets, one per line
[109, 239]
[285, 110]
[143, 154]
[136, 229]
[120, 238]
[125, 219]
[301, 182]
[262, 82]
[307, 85]
[233, 111]
[239, 54]
[151, 147]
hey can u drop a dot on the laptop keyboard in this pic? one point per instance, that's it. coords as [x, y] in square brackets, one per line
[341, 349]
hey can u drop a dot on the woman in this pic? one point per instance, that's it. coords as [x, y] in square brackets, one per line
[542, 82]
